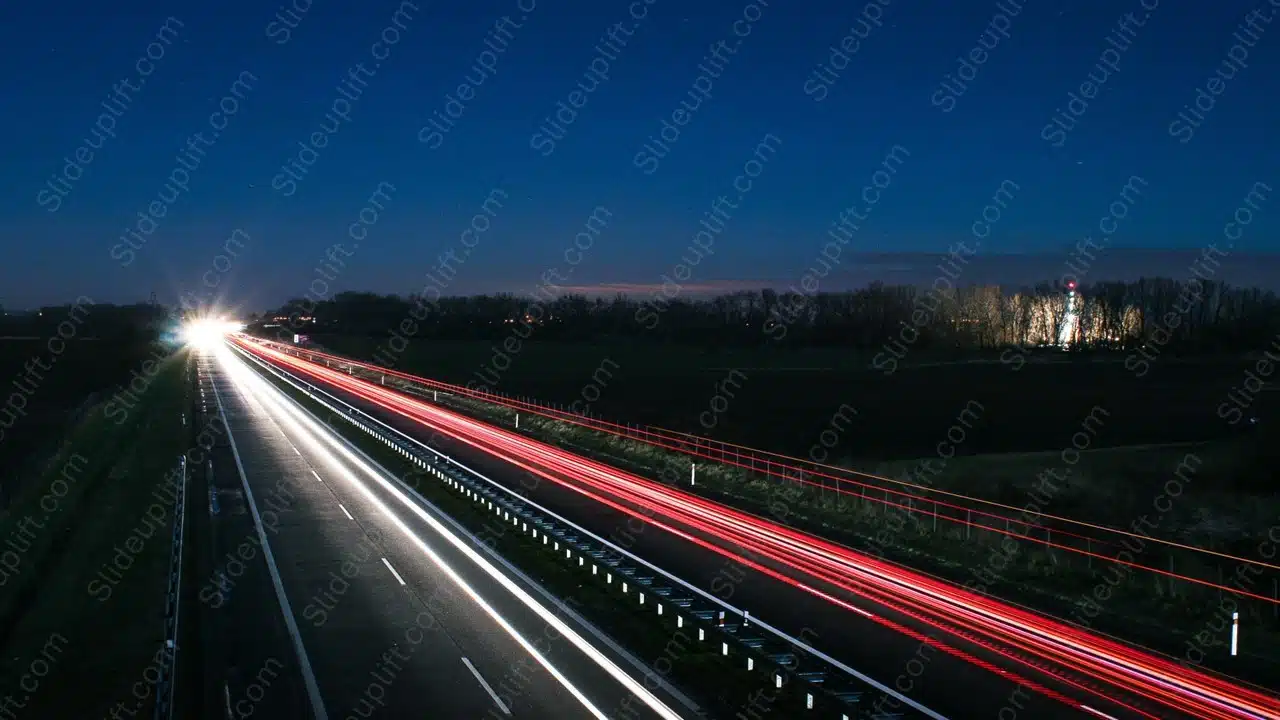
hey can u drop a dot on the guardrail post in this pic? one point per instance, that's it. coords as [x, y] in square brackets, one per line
[163, 708]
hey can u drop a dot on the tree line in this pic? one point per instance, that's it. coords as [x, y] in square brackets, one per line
[1190, 316]
[85, 319]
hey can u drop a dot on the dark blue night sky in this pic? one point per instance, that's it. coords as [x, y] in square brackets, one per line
[771, 111]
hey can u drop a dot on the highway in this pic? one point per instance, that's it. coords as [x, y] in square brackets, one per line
[1066, 534]
[952, 686]
[326, 592]
[878, 627]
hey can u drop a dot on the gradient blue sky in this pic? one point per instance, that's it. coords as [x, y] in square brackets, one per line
[62, 58]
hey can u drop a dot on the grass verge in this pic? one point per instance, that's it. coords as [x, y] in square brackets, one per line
[83, 610]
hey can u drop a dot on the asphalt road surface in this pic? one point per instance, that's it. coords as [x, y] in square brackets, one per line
[372, 625]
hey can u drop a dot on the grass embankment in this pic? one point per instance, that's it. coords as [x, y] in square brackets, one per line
[721, 685]
[82, 610]
[1175, 617]
[55, 390]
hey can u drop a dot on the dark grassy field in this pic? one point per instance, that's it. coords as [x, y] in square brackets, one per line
[82, 603]
[784, 399]
[53, 397]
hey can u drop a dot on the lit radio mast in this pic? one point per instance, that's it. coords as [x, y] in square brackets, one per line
[1071, 319]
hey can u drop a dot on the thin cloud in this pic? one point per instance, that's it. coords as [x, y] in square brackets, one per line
[713, 287]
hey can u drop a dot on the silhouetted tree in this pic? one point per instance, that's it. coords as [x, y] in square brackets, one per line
[1181, 317]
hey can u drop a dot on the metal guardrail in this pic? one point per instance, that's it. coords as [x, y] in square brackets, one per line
[733, 625]
[165, 686]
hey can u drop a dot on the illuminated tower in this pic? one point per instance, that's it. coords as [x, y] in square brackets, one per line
[1071, 317]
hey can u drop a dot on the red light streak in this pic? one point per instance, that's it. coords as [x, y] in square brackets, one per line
[1065, 652]
[671, 440]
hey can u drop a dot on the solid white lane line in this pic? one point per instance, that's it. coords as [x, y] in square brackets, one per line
[393, 570]
[496, 700]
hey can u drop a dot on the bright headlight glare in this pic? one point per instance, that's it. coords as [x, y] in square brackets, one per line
[207, 332]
